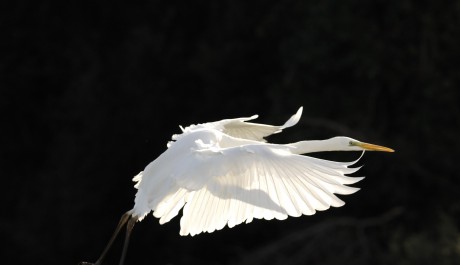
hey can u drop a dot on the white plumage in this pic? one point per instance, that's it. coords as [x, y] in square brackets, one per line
[224, 173]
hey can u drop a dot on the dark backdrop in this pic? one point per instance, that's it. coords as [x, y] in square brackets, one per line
[90, 94]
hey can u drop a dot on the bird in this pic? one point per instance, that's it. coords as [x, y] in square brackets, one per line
[225, 173]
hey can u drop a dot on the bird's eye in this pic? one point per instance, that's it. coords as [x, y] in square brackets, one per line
[350, 142]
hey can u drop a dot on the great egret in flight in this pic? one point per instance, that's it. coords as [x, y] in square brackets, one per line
[225, 173]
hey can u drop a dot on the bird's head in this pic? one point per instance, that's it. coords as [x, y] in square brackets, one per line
[350, 144]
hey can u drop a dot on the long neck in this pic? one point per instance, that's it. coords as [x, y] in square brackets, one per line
[304, 147]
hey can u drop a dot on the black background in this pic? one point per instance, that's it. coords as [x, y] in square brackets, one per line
[91, 92]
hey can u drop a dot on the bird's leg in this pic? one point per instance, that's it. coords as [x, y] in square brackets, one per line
[124, 218]
[129, 227]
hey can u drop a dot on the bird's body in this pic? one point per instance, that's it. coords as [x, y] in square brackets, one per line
[225, 173]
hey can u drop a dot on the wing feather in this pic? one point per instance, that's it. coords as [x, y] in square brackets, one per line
[263, 182]
[169, 210]
[283, 190]
[239, 128]
[315, 198]
[324, 188]
[219, 211]
[272, 192]
[290, 190]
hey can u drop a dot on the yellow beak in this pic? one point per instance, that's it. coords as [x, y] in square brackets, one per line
[374, 147]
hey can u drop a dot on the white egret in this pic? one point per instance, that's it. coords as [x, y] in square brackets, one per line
[225, 173]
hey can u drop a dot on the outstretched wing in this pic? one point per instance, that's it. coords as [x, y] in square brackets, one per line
[239, 128]
[262, 181]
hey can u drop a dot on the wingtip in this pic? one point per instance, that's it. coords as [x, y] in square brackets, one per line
[299, 111]
[293, 120]
[298, 114]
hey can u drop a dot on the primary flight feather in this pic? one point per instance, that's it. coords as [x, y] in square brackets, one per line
[225, 173]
